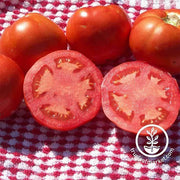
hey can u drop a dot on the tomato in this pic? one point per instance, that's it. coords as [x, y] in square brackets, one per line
[101, 33]
[155, 38]
[11, 85]
[62, 90]
[30, 38]
[135, 94]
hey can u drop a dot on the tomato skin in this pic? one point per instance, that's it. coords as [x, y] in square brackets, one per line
[155, 41]
[140, 96]
[11, 84]
[101, 33]
[30, 38]
[61, 91]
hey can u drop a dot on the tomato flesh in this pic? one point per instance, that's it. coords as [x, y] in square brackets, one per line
[62, 90]
[135, 94]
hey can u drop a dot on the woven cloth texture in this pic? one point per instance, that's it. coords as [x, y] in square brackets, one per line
[96, 150]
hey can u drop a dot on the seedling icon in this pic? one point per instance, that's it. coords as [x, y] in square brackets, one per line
[152, 141]
[152, 149]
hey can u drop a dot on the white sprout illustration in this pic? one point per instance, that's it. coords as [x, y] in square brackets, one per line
[152, 140]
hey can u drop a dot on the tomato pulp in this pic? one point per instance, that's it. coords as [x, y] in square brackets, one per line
[11, 86]
[30, 38]
[101, 33]
[62, 90]
[155, 38]
[135, 94]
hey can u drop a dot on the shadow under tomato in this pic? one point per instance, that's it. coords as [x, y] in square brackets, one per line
[113, 63]
[177, 77]
[21, 134]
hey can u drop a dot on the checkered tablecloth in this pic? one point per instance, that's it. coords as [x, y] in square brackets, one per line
[96, 150]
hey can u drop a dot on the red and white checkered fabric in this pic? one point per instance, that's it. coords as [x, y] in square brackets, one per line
[96, 150]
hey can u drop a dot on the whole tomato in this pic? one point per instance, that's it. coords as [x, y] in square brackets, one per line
[155, 38]
[30, 38]
[11, 85]
[101, 33]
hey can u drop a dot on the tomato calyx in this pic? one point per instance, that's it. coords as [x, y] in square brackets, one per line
[172, 19]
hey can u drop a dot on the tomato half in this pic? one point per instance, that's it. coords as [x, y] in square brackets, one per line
[62, 90]
[11, 85]
[155, 38]
[135, 94]
[30, 38]
[101, 33]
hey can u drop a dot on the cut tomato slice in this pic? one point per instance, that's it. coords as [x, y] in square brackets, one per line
[62, 90]
[135, 94]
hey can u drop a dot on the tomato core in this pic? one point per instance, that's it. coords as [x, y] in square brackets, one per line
[153, 116]
[67, 67]
[172, 19]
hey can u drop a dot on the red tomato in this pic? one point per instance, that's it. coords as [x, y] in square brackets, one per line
[135, 94]
[155, 38]
[11, 85]
[62, 90]
[101, 33]
[30, 38]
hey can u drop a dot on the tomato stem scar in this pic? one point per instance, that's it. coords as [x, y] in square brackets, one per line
[172, 19]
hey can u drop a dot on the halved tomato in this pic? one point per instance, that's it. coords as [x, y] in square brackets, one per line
[135, 94]
[62, 90]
